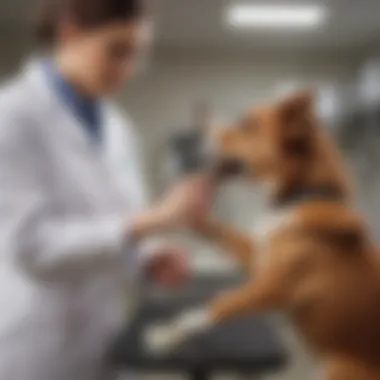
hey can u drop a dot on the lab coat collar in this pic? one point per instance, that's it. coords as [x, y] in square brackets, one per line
[88, 110]
[53, 108]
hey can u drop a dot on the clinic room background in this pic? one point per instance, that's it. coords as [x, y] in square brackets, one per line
[197, 58]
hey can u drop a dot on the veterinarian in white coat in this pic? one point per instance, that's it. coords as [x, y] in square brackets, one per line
[72, 229]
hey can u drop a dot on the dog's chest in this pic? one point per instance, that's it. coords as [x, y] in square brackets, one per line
[265, 228]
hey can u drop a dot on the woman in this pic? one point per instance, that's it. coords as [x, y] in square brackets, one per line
[71, 223]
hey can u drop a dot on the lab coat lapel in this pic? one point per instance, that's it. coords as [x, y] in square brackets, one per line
[58, 109]
[70, 131]
[116, 156]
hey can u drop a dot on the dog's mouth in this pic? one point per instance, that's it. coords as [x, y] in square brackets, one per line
[227, 167]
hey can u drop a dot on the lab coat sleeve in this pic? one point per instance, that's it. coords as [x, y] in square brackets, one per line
[38, 236]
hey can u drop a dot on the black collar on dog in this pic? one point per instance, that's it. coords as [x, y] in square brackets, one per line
[306, 194]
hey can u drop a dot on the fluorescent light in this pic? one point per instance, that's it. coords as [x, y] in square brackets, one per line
[275, 16]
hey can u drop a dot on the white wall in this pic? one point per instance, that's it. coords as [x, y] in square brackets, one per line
[364, 152]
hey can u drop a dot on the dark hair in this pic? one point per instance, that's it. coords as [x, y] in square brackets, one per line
[86, 13]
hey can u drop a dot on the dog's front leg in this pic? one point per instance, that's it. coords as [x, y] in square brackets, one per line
[262, 294]
[256, 296]
[271, 289]
[230, 240]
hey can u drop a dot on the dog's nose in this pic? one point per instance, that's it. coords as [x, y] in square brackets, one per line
[225, 167]
[219, 166]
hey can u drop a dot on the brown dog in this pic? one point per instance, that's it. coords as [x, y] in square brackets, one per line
[312, 258]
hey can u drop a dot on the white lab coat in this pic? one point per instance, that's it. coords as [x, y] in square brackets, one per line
[64, 247]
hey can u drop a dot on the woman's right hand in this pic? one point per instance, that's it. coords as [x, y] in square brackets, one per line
[186, 202]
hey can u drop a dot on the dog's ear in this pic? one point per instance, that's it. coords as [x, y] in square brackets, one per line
[297, 105]
[296, 116]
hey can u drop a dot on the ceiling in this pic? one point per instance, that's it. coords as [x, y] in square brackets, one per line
[353, 24]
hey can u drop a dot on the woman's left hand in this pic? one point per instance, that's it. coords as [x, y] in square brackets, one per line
[168, 266]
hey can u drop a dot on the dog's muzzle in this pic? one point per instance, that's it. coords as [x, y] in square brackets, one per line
[226, 167]
[219, 166]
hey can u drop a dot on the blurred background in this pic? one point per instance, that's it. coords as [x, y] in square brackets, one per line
[210, 55]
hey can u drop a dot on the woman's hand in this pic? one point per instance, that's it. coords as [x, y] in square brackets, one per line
[168, 266]
[184, 204]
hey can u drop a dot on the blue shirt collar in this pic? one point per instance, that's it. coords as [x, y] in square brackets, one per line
[86, 110]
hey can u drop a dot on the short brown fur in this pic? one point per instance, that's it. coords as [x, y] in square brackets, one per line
[320, 266]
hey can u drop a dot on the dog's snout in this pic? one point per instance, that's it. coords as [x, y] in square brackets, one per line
[226, 167]
[220, 165]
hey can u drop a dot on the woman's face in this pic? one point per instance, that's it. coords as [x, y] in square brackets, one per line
[103, 59]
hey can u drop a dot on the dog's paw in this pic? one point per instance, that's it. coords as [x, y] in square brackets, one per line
[165, 337]
[161, 339]
[156, 338]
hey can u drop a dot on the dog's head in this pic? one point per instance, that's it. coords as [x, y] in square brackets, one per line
[270, 139]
